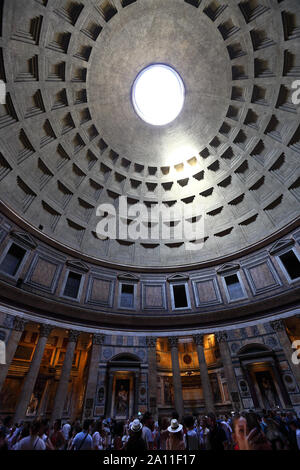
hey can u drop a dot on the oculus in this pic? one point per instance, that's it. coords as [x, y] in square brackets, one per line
[158, 94]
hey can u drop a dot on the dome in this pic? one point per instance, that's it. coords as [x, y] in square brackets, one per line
[220, 180]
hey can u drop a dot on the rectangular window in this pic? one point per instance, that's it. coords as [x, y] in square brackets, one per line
[12, 260]
[127, 296]
[291, 264]
[234, 287]
[72, 285]
[180, 298]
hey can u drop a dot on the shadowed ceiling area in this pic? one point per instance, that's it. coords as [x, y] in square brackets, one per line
[70, 139]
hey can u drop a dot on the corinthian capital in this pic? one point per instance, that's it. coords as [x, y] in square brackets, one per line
[173, 341]
[73, 336]
[198, 340]
[278, 325]
[19, 324]
[151, 341]
[45, 330]
[221, 336]
[98, 340]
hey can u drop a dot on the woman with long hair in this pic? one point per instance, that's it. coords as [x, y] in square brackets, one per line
[175, 440]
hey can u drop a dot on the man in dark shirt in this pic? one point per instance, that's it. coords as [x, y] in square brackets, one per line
[217, 435]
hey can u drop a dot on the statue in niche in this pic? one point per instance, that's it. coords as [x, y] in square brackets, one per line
[122, 397]
[167, 391]
[33, 405]
[268, 390]
[101, 395]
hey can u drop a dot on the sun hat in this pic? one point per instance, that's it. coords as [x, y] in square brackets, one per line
[136, 425]
[175, 426]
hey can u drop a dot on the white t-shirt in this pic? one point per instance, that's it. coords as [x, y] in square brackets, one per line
[97, 441]
[147, 435]
[66, 431]
[30, 443]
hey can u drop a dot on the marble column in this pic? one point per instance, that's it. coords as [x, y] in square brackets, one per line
[177, 385]
[206, 386]
[11, 346]
[111, 375]
[91, 387]
[279, 327]
[62, 389]
[136, 393]
[221, 337]
[152, 375]
[247, 375]
[31, 376]
[284, 393]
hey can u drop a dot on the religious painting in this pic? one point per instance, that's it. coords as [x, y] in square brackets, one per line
[122, 397]
[267, 389]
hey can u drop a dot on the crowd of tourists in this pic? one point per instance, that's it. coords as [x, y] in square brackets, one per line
[246, 431]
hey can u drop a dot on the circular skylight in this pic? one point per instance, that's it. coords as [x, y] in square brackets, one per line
[158, 94]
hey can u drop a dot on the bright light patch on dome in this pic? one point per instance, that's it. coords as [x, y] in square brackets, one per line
[158, 94]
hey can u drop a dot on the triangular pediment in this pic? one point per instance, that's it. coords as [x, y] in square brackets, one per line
[281, 245]
[24, 238]
[228, 267]
[128, 277]
[79, 265]
[178, 277]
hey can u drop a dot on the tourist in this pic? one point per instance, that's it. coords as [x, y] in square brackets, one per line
[295, 435]
[97, 438]
[57, 437]
[217, 437]
[273, 433]
[175, 440]
[33, 441]
[44, 434]
[118, 434]
[148, 424]
[135, 443]
[75, 429]
[83, 440]
[107, 431]
[228, 431]
[164, 433]
[66, 429]
[247, 433]
[191, 437]
[3, 440]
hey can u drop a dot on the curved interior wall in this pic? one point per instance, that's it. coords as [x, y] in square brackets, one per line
[38, 285]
